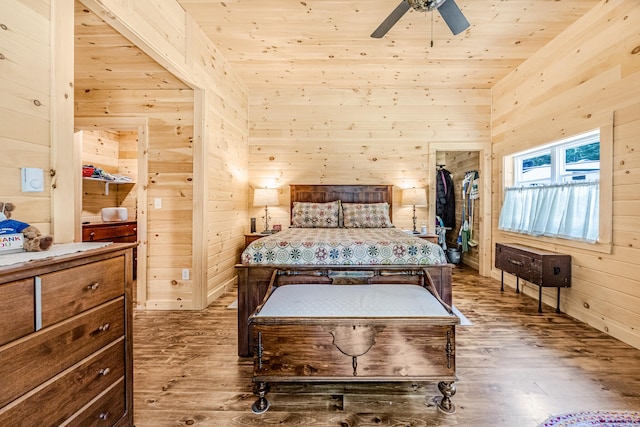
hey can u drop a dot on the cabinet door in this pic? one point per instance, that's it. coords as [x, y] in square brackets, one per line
[17, 314]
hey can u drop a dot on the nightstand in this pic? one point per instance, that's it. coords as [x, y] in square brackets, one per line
[433, 238]
[248, 238]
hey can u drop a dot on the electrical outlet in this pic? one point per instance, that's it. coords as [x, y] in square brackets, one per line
[157, 203]
[185, 274]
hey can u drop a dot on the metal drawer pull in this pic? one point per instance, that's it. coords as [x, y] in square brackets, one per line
[93, 286]
[104, 372]
[103, 327]
[103, 415]
[516, 262]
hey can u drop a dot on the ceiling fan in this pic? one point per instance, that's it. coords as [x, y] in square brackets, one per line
[448, 9]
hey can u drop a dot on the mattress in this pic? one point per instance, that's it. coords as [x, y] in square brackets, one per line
[346, 301]
[342, 246]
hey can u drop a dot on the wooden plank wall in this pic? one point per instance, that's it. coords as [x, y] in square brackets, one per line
[304, 133]
[169, 229]
[136, 86]
[587, 77]
[203, 234]
[25, 107]
[203, 179]
[115, 152]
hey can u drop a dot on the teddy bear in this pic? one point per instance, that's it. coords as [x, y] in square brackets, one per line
[34, 241]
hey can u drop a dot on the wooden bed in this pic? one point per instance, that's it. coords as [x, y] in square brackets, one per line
[353, 333]
[253, 280]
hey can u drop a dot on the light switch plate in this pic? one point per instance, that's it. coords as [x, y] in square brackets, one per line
[32, 180]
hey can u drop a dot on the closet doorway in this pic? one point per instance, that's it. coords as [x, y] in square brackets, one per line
[135, 199]
[471, 242]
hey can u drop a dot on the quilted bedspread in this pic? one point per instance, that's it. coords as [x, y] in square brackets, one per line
[342, 246]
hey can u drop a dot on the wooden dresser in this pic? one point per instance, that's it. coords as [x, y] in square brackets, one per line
[119, 232]
[537, 266]
[66, 340]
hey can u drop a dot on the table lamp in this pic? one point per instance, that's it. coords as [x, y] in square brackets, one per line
[414, 197]
[265, 197]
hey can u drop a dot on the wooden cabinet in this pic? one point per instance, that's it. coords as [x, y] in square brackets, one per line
[70, 359]
[537, 266]
[119, 232]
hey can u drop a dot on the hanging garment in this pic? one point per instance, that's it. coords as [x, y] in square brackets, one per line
[445, 198]
[473, 196]
[463, 235]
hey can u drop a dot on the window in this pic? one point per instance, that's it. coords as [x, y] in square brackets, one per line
[575, 159]
[555, 190]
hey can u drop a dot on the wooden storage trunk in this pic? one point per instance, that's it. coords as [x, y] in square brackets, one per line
[537, 266]
[337, 347]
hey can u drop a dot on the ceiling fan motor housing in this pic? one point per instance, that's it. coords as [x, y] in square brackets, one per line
[425, 5]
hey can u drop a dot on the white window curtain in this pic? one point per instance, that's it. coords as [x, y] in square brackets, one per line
[569, 211]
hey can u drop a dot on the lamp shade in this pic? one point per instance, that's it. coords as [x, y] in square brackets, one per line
[414, 196]
[265, 197]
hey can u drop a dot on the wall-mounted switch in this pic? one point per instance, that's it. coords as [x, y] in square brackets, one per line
[157, 203]
[32, 180]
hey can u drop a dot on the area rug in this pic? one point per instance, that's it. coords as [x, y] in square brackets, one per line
[594, 419]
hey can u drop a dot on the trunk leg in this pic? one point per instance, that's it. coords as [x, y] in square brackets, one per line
[262, 404]
[448, 389]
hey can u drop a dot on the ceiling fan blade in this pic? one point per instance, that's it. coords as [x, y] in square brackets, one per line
[453, 16]
[390, 21]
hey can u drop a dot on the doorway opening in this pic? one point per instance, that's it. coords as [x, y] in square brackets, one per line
[467, 234]
[114, 209]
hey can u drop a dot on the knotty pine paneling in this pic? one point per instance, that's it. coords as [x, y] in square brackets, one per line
[197, 158]
[367, 135]
[25, 108]
[587, 77]
[169, 113]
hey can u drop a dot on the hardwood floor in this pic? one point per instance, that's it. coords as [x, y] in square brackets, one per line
[515, 368]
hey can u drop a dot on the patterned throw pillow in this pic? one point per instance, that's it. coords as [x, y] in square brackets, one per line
[366, 215]
[315, 215]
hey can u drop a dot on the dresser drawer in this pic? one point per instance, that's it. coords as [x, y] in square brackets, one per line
[72, 291]
[109, 232]
[60, 399]
[29, 361]
[16, 310]
[105, 411]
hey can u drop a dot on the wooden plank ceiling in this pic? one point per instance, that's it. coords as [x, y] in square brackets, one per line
[106, 60]
[327, 42]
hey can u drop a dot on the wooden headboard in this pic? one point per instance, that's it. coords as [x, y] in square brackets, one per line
[344, 193]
